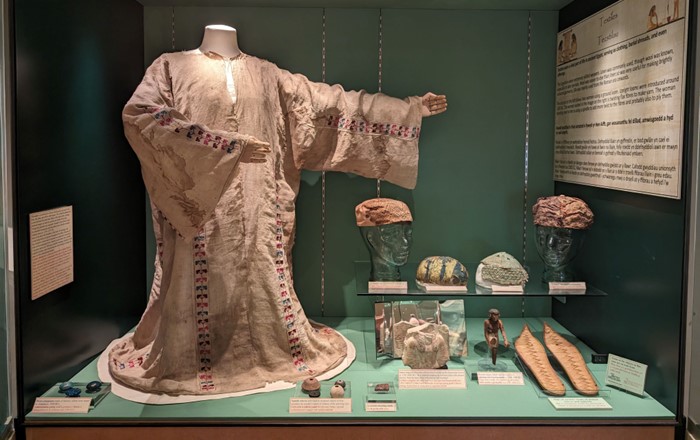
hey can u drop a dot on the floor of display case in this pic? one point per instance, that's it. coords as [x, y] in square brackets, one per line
[475, 402]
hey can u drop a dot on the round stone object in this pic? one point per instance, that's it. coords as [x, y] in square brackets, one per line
[72, 392]
[315, 393]
[65, 386]
[310, 384]
[337, 392]
[93, 387]
[340, 382]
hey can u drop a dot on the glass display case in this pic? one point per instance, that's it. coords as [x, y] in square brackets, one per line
[482, 166]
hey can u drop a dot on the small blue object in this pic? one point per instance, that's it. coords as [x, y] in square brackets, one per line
[65, 386]
[72, 392]
[93, 386]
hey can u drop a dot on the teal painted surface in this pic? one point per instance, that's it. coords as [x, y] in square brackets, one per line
[514, 403]
[469, 200]
[634, 252]
[351, 60]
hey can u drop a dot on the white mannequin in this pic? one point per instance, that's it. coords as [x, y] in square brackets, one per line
[220, 39]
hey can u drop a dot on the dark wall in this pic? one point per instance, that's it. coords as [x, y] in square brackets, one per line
[77, 63]
[634, 252]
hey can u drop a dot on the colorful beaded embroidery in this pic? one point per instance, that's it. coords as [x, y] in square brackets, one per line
[201, 289]
[341, 122]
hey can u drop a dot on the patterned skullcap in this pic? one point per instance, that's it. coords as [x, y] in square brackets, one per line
[562, 212]
[376, 212]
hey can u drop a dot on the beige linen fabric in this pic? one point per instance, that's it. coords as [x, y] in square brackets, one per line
[223, 315]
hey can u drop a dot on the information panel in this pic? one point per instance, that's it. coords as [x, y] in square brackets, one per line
[619, 98]
[51, 249]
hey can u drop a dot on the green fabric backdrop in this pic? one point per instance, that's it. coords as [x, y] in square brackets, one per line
[469, 199]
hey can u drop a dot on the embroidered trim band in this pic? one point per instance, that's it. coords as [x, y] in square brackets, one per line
[285, 302]
[133, 363]
[194, 132]
[341, 122]
[201, 290]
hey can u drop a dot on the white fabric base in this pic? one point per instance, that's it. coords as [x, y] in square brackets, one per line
[165, 399]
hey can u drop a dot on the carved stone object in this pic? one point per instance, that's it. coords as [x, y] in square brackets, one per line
[310, 384]
[93, 387]
[337, 392]
[400, 329]
[532, 354]
[425, 347]
[381, 388]
[569, 357]
[443, 271]
[502, 268]
[562, 212]
[493, 325]
[458, 344]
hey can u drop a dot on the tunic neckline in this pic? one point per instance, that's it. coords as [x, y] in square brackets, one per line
[216, 56]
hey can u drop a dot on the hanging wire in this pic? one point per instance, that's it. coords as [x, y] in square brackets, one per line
[172, 28]
[527, 143]
[379, 86]
[323, 184]
[527, 136]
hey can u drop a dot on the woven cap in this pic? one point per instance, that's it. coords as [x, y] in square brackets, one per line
[377, 212]
[562, 212]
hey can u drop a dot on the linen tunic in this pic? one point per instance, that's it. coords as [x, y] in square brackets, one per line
[223, 315]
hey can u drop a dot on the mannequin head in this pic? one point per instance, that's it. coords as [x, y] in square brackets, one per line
[385, 226]
[560, 222]
[557, 248]
[221, 40]
[388, 246]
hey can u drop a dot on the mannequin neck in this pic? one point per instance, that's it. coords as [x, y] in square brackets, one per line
[382, 270]
[221, 40]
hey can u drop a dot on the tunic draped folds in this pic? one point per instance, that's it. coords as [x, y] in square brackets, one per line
[223, 315]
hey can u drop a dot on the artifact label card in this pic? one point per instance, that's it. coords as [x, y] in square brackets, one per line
[432, 379]
[387, 287]
[308, 405]
[51, 249]
[500, 378]
[579, 403]
[626, 374]
[435, 288]
[497, 288]
[61, 405]
[574, 286]
[380, 406]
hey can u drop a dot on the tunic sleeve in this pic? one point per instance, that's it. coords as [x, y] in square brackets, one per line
[372, 135]
[185, 165]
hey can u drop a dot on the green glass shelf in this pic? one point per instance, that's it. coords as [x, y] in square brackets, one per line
[534, 287]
